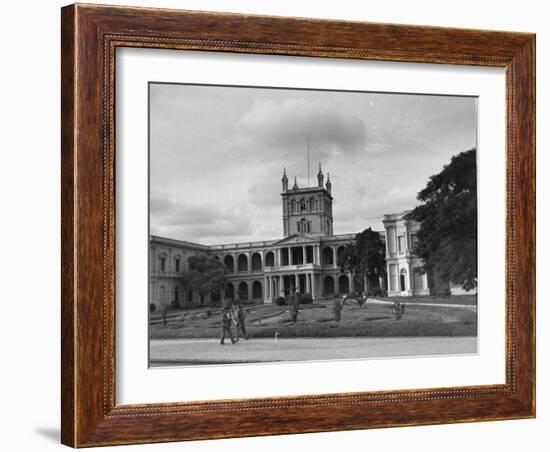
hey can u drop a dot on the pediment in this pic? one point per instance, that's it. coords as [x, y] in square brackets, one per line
[296, 239]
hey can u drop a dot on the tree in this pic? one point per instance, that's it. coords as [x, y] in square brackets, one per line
[365, 258]
[447, 239]
[205, 275]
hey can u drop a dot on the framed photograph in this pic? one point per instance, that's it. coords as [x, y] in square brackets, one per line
[281, 225]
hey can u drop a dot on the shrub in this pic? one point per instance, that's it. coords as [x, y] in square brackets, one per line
[305, 298]
[152, 307]
[398, 309]
[280, 301]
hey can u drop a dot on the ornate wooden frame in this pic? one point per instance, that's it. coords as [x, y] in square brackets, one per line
[90, 35]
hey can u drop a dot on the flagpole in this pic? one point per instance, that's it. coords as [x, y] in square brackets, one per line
[308, 161]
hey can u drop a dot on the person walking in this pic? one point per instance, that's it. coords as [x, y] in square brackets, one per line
[228, 321]
[294, 306]
[240, 315]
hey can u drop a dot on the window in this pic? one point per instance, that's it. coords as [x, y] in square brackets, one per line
[162, 263]
[401, 243]
[178, 264]
[391, 240]
[298, 226]
[403, 280]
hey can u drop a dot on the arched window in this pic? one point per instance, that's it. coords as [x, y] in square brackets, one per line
[162, 260]
[230, 291]
[340, 252]
[177, 263]
[343, 284]
[242, 263]
[257, 290]
[328, 285]
[328, 256]
[243, 291]
[303, 205]
[256, 261]
[303, 225]
[269, 259]
[228, 262]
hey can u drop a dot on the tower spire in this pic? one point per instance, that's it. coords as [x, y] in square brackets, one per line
[329, 184]
[295, 184]
[284, 180]
[320, 177]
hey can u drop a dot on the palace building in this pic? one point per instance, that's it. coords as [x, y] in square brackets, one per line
[305, 258]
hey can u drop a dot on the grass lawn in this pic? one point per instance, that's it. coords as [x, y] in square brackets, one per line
[470, 300]
[317, 320]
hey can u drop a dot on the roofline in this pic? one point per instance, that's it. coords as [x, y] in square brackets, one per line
[157, 238]
[259, 243]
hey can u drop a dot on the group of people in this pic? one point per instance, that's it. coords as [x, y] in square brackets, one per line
[233, 317]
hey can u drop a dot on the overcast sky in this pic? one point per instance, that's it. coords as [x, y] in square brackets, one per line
[217, 155]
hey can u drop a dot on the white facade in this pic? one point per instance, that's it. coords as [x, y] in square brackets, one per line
[401, 263]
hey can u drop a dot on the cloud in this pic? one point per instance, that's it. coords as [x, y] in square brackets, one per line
[196, 223]
[217, 155]
[286, 126]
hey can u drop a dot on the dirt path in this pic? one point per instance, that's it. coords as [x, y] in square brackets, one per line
[174, 352]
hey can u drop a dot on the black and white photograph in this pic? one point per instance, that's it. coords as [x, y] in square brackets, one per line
[238, 225]
[298, 225]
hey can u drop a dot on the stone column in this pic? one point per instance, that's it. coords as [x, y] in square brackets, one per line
[277, 253]
[266, 283]
[411, 277]
[313, 288]
[425, 281]
[317, 254]
[303, 254]
[248, 261]
[334, 256]
[290, 259]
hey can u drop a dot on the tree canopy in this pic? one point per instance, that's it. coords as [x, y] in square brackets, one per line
[205, 275]
[447, 239]
[365, 257]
